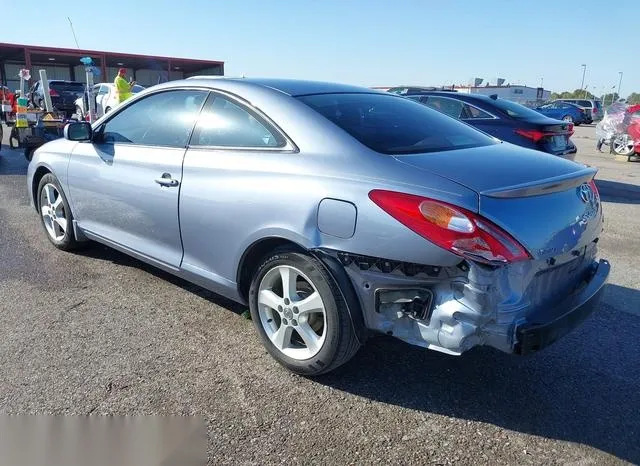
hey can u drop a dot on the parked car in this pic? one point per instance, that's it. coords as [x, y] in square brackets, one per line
[593, 108]
[564, 111]
[63, 95]
[334, 212]
[505, 120]
[105, 99]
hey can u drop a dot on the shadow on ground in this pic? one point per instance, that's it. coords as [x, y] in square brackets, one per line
[12, 162]
[583, 389]
[617, 192]
[100, 252]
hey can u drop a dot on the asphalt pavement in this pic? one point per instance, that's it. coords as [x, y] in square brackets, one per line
[97, 332]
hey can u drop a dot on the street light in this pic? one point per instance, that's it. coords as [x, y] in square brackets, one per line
[619, 83]
[584, 70]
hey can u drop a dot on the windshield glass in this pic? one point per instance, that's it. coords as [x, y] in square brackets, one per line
[395, 125]
[514, 110]
[77, 88]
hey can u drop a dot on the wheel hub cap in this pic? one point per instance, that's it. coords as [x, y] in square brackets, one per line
[292, 313]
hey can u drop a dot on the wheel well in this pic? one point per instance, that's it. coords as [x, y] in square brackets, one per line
[252, 257]
[40, 172]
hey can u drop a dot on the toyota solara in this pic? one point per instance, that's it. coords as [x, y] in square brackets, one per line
[335, 213]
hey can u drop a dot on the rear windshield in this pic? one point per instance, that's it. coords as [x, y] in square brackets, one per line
[395, 125]
[78, 88]
[514, 110]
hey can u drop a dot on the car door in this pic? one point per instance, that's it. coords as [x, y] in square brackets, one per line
[124, 184]
[231, 145]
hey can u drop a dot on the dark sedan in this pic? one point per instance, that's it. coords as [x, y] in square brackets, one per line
[503, 119]
[63, 95]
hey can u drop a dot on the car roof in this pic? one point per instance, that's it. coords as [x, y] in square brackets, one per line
[292, 87]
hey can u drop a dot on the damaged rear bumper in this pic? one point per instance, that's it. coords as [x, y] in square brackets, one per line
[516, 309]
[545, 327]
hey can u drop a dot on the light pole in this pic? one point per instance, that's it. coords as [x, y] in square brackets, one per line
[619, 83]
[584, 70]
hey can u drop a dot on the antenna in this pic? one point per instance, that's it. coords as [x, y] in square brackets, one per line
[73, 32]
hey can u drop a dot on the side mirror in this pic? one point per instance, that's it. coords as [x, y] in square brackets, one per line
[80, 131]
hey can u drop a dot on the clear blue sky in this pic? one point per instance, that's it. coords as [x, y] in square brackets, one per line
[367, 42]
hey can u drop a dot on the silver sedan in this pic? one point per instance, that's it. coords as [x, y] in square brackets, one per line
[336, 213]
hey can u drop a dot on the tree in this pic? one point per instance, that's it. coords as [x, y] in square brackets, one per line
[608, 99]
[576, 94]
[634, 98]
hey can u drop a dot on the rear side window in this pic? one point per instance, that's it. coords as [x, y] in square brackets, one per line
[470, 112]
[585, 103]
[224, 123]
[395, 125]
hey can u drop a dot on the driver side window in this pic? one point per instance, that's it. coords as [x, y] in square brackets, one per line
[164, 119]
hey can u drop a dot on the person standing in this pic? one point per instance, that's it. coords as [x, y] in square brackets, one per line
[123, 88]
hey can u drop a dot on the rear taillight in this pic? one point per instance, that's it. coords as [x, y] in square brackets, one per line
[53, 93]
[532, 134]
[458, 230]
[594, 188]
[581, 110]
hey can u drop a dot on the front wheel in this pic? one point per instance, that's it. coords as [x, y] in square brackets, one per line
[300, 314]
[55, 213]
[567, 118]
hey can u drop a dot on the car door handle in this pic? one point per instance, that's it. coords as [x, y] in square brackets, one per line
[166, 180]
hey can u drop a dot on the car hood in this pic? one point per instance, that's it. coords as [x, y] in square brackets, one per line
[493, 167]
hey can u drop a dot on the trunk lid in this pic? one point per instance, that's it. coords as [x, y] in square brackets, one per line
[543, 201]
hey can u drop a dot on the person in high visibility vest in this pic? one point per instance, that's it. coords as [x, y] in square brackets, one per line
[123, 88]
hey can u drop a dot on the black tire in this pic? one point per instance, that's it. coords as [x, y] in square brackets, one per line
[14, 141]
[68, 242]
[28, 153]
[107, 110]
[340, 343]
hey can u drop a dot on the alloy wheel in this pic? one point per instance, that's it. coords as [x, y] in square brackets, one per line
[53, 212]
[623, 145]
[292, 312]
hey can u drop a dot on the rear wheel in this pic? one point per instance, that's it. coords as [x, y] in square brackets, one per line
[568, 118]
[300, 315]
[622, 145]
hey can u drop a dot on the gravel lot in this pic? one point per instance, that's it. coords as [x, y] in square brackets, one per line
[98, 332]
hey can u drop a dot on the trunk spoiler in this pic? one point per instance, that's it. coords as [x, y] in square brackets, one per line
[547, 186]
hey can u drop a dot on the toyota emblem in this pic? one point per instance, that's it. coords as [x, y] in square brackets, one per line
[586, 193]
